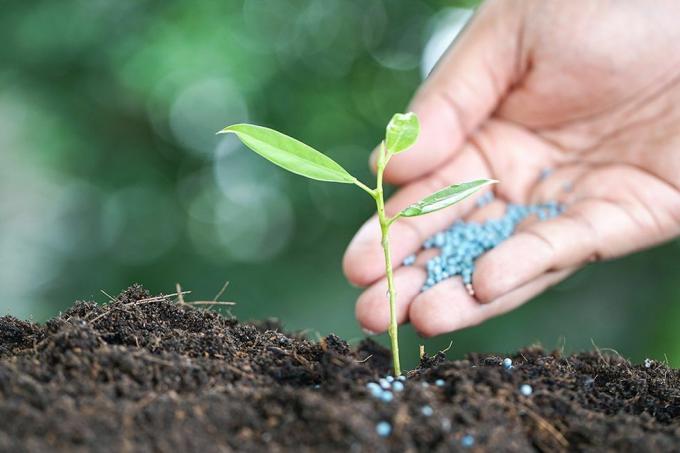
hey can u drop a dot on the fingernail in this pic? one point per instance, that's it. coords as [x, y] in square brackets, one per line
[368, 332]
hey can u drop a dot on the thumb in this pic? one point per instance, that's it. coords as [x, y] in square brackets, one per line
[463, 90]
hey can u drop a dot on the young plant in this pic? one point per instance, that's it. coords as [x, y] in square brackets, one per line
[299, 158]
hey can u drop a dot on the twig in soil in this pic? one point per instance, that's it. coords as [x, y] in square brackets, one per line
[210, 302]
[135, 303]
[614, 351]
[364, 360]
[421, 351]
[160, 298]
[547, 426]
[667, 363]
[180, 296]
[106, 313]
[111, 298]
[600, 350]
[599, 353]
[224, 288]
[100, 316]
[447, 349]
[302, 361]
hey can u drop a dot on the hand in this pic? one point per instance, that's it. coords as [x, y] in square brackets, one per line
[588, 89]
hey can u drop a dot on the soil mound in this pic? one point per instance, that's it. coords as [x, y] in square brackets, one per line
[147, 373]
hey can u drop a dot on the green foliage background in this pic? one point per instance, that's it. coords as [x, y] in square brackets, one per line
[110, 172]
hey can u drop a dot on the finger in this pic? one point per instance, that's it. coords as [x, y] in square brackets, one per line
[448, 307]
[599, 223]
[364, 263]
[589, 230]
[373, 308]
[462, 91]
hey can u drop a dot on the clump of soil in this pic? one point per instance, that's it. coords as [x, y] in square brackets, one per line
[150, 374]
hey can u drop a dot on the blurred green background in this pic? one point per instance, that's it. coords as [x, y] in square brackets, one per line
[110, 172]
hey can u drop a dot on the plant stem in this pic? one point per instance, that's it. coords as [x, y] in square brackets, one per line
[360, 184]
[385, 223]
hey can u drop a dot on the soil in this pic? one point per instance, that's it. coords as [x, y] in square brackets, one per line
[154, 374]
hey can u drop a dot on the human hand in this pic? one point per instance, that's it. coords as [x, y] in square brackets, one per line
[590, 90]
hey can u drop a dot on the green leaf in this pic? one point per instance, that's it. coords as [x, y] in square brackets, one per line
[289, 153]
[402, 132]
[445, 197]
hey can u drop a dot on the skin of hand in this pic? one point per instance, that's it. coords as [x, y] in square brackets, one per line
[590, 90]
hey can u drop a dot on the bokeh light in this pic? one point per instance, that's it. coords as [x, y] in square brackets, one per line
[202, 109]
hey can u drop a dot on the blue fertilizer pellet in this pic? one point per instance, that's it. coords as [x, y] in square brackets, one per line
[389, 379]
[467, 441]
[526, 390]
[439, 382]
[384, 383]
[401, 378]
[375, 389]
[409, 260]
[386, 396]
[398, 386]
[383, 429]
[507, 363]
[426, 410]
[463, 242]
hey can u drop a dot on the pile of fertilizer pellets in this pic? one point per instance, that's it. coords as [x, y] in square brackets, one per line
[385, 388]
[463, 242]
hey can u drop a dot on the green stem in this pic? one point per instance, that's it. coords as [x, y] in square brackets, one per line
[368, 190]
[385, 223]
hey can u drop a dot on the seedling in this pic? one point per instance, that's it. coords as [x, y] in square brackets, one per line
[401, 133]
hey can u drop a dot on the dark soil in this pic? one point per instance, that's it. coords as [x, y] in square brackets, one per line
[142, 374]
